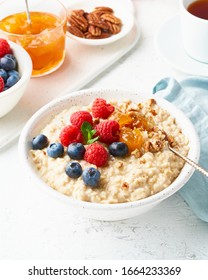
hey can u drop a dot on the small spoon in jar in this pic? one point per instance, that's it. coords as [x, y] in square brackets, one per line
[191, 162]
[28, 12]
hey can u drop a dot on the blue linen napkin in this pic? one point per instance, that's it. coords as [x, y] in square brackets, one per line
[195, 107]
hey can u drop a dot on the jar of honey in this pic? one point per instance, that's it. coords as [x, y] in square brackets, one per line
[43, 38]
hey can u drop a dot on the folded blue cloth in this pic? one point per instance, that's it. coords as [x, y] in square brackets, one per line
[191, 96]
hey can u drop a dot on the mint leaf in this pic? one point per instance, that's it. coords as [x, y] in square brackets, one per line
[88, 133]
[86, 128]
[93, 140]
[93, 132]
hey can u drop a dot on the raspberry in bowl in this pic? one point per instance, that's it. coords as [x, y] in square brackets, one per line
[15, 73]
[121, 166]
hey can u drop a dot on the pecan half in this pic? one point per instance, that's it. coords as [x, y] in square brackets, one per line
[111, 18]
[75, 31]
[88, 35]
[114, 28]
[94, 19]
[78, 21]
[104, 9]
[105, 35]
[77, 13]
[94, 30]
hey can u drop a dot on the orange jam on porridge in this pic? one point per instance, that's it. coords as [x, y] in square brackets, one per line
[43, 39]
[131, 126]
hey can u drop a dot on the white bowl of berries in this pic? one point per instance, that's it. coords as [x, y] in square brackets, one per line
[15, 73]
[105, 155]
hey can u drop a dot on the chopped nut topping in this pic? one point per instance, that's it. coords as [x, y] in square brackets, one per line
[171, 141]
[153, 112]
[153, 146]
[151, 102]
[125, 185]
[96, 121]
[119, 164]
[137, 153]
[142, 160]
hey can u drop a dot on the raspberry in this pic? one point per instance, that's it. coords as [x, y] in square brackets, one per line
[108, 131]
[70, 134]
[4, 47]
[96, 154]
[101, 109]
[79, 117]
[1, 84]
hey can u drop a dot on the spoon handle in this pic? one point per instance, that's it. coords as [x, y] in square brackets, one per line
[27, 12]
[191, 162]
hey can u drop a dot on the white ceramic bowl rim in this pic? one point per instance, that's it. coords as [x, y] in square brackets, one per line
[175, 186]
[25, 75]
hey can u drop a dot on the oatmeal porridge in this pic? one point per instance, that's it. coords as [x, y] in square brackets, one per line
[124, 146]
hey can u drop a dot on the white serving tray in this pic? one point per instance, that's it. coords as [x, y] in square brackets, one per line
[82, 64]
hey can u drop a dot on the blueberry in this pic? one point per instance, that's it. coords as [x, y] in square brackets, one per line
[7, 63]
[76, 150]
[13, 78]
[73, 169]
[13, 73]
[3, 74]
[39, 142]
[12, 57]
[55, 150]
[118, 149]
[91, 177]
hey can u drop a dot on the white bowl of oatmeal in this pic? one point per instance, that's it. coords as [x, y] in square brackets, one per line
[128, 185]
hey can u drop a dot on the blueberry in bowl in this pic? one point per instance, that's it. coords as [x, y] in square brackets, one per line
[15, 73]
[76, 150]
[73, 169]
[91, 176]
[118, 149]
[55, 150]
[39, 142]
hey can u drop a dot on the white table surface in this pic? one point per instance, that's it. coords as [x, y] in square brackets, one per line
[33, 226]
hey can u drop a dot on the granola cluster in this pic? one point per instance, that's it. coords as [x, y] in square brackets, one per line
[101, 23]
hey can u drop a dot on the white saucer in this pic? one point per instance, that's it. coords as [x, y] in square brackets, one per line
[169, 45]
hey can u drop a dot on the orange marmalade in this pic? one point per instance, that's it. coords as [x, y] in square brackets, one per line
[43, 39]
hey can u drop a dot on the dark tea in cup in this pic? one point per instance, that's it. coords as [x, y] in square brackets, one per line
[199, 9]
[194, 28]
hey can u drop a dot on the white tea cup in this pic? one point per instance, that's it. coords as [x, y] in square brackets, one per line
[194, 32]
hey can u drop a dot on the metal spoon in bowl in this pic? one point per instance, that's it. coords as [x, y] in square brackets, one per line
[191, 162]
[28, 12]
